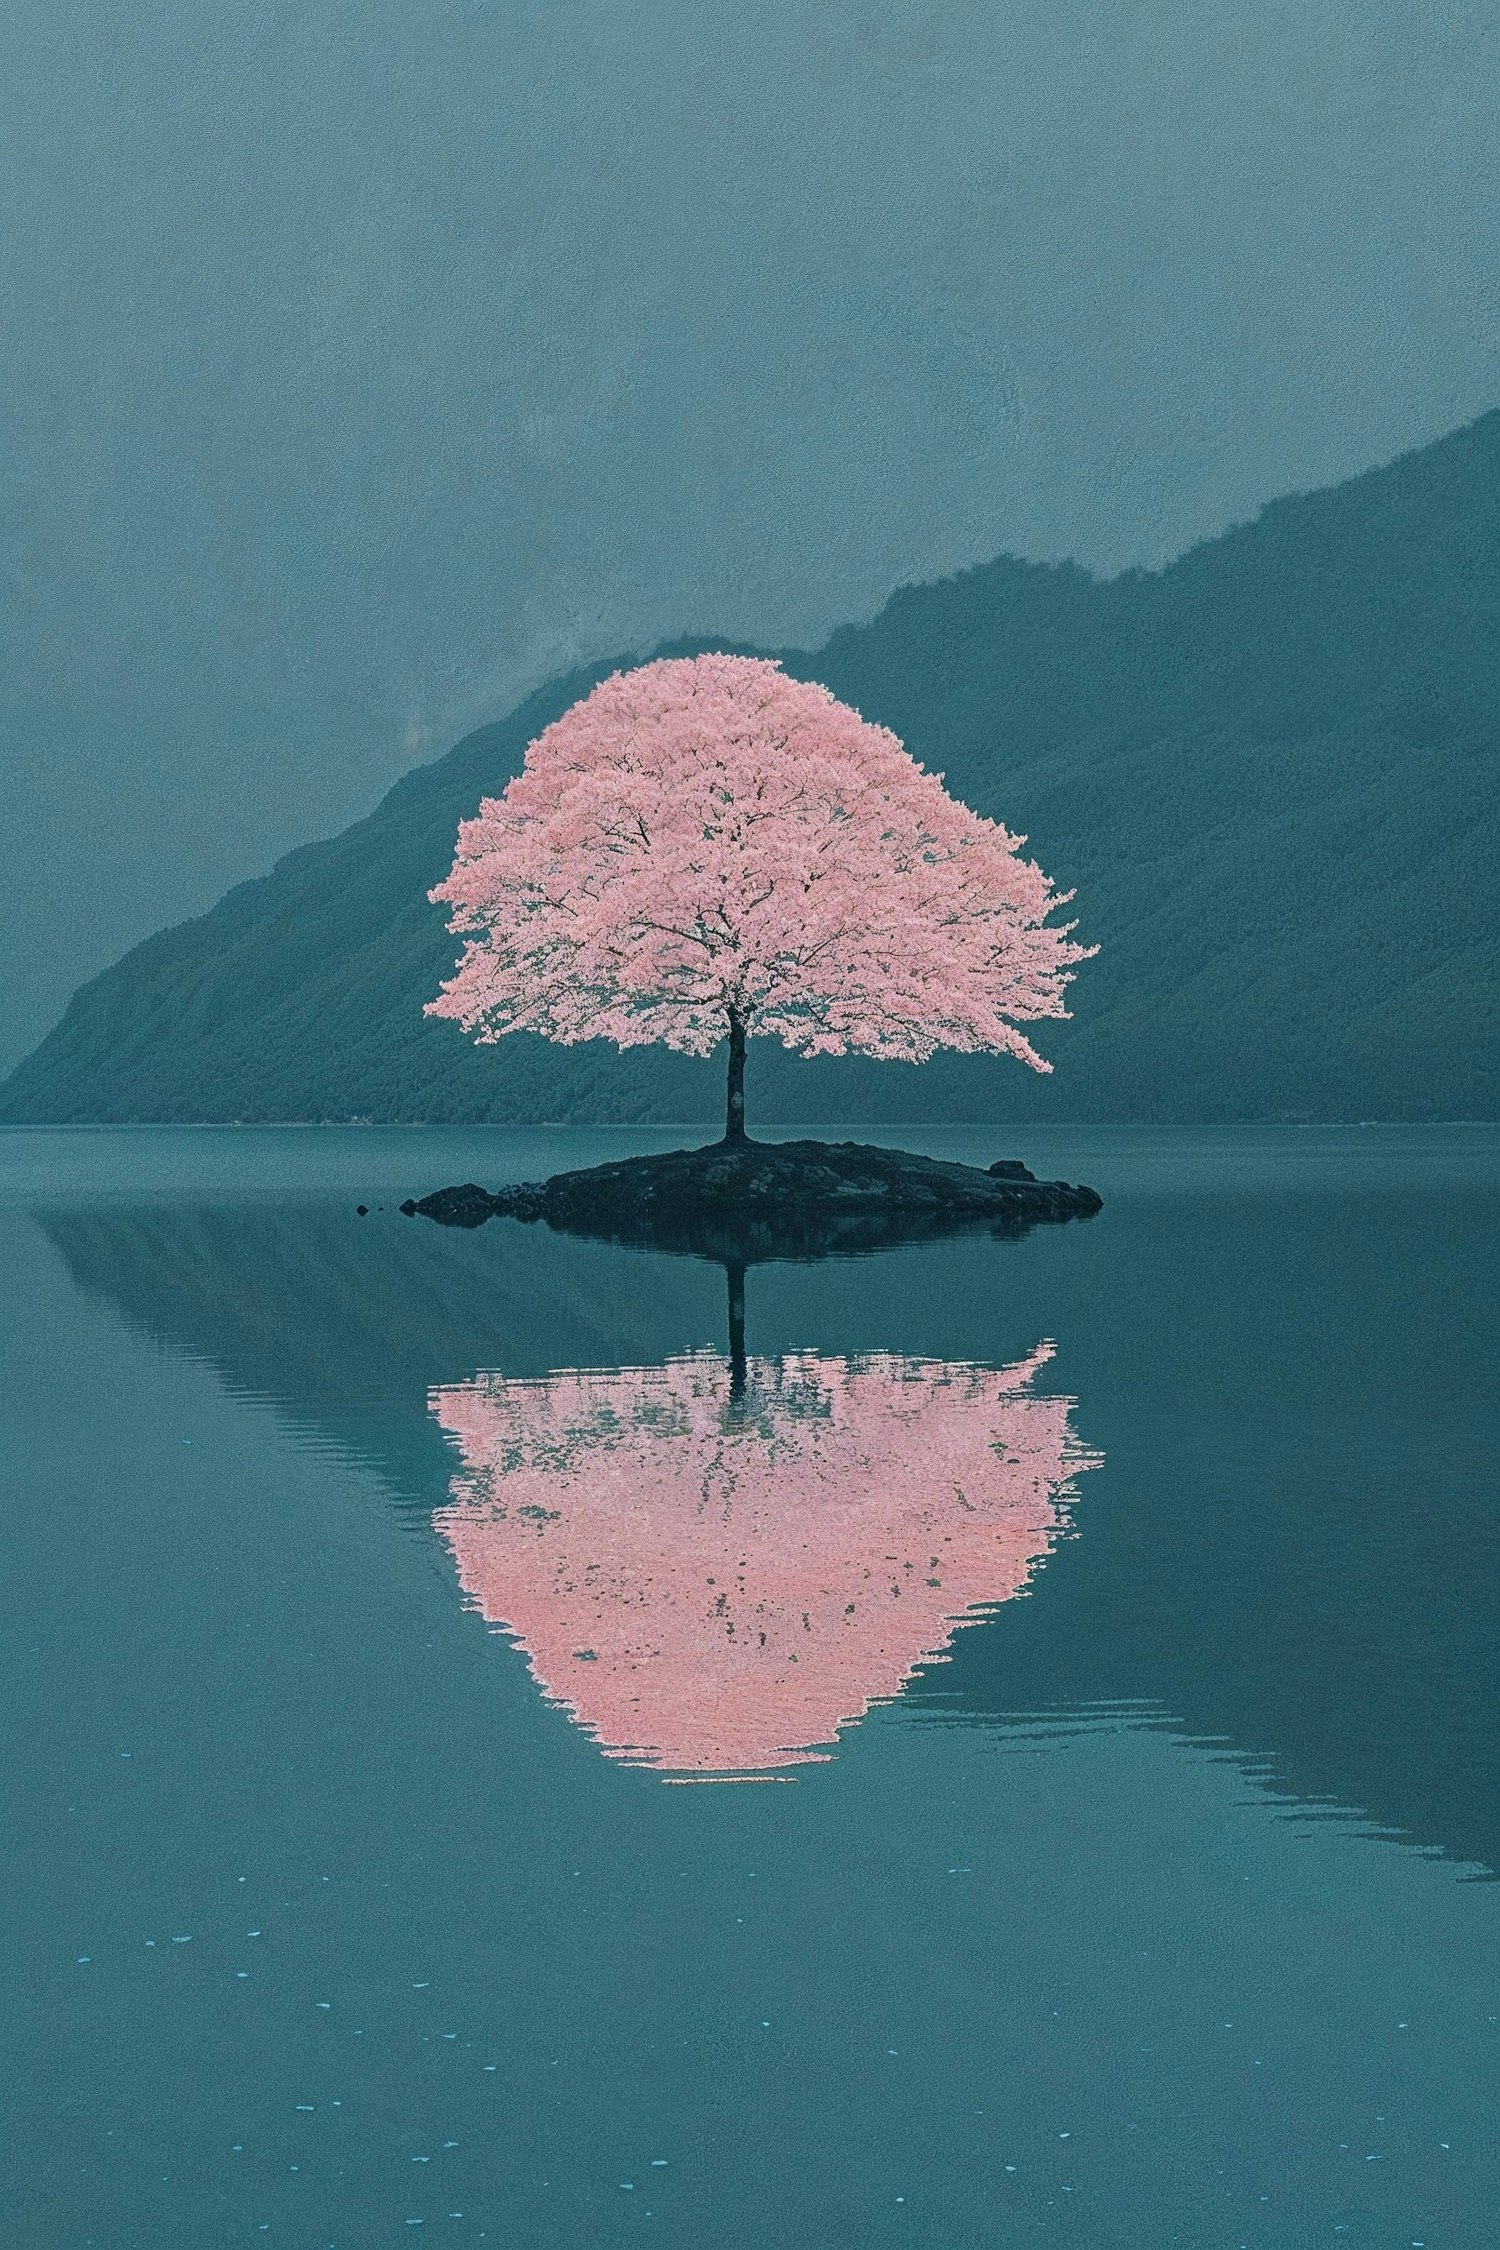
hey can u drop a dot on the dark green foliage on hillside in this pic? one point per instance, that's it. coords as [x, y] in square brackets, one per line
[1270, 771]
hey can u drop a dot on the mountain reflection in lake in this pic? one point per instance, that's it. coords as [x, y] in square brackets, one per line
[1155, 1914]
[714, 1570]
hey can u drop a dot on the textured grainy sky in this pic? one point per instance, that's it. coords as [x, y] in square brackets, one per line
[364, 363]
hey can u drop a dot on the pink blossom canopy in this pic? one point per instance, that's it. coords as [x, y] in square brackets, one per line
[716, 1586]
[704, 836]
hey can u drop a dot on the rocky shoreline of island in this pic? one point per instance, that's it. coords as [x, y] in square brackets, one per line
[772, 1192]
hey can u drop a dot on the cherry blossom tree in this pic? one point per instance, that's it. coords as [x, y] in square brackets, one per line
[705, 848]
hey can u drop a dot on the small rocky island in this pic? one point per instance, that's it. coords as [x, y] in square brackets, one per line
[743, 1200]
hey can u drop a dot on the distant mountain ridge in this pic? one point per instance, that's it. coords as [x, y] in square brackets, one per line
[1270, 772]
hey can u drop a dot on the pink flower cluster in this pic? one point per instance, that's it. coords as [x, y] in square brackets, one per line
[707, 835]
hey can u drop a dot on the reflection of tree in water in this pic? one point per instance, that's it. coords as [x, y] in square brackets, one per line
[714, 1565]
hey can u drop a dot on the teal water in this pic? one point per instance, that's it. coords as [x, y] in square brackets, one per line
[1156, 1908]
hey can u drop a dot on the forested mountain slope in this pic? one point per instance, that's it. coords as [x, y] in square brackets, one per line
[1270, 772]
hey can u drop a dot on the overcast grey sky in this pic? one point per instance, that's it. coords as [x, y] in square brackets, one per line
[367, 362]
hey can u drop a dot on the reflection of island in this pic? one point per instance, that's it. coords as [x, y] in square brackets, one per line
[715, 1568]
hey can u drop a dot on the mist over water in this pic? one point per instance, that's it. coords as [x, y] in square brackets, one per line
[1139, 1885]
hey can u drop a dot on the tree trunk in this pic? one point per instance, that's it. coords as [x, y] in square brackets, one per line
[734, 1123]
[735, 1276]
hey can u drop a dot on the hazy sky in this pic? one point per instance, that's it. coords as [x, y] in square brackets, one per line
[366, 362]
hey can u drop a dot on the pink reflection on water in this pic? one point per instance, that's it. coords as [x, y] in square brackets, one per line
[714, 1584]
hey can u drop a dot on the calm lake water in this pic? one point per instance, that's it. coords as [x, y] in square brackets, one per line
[473, 1763]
